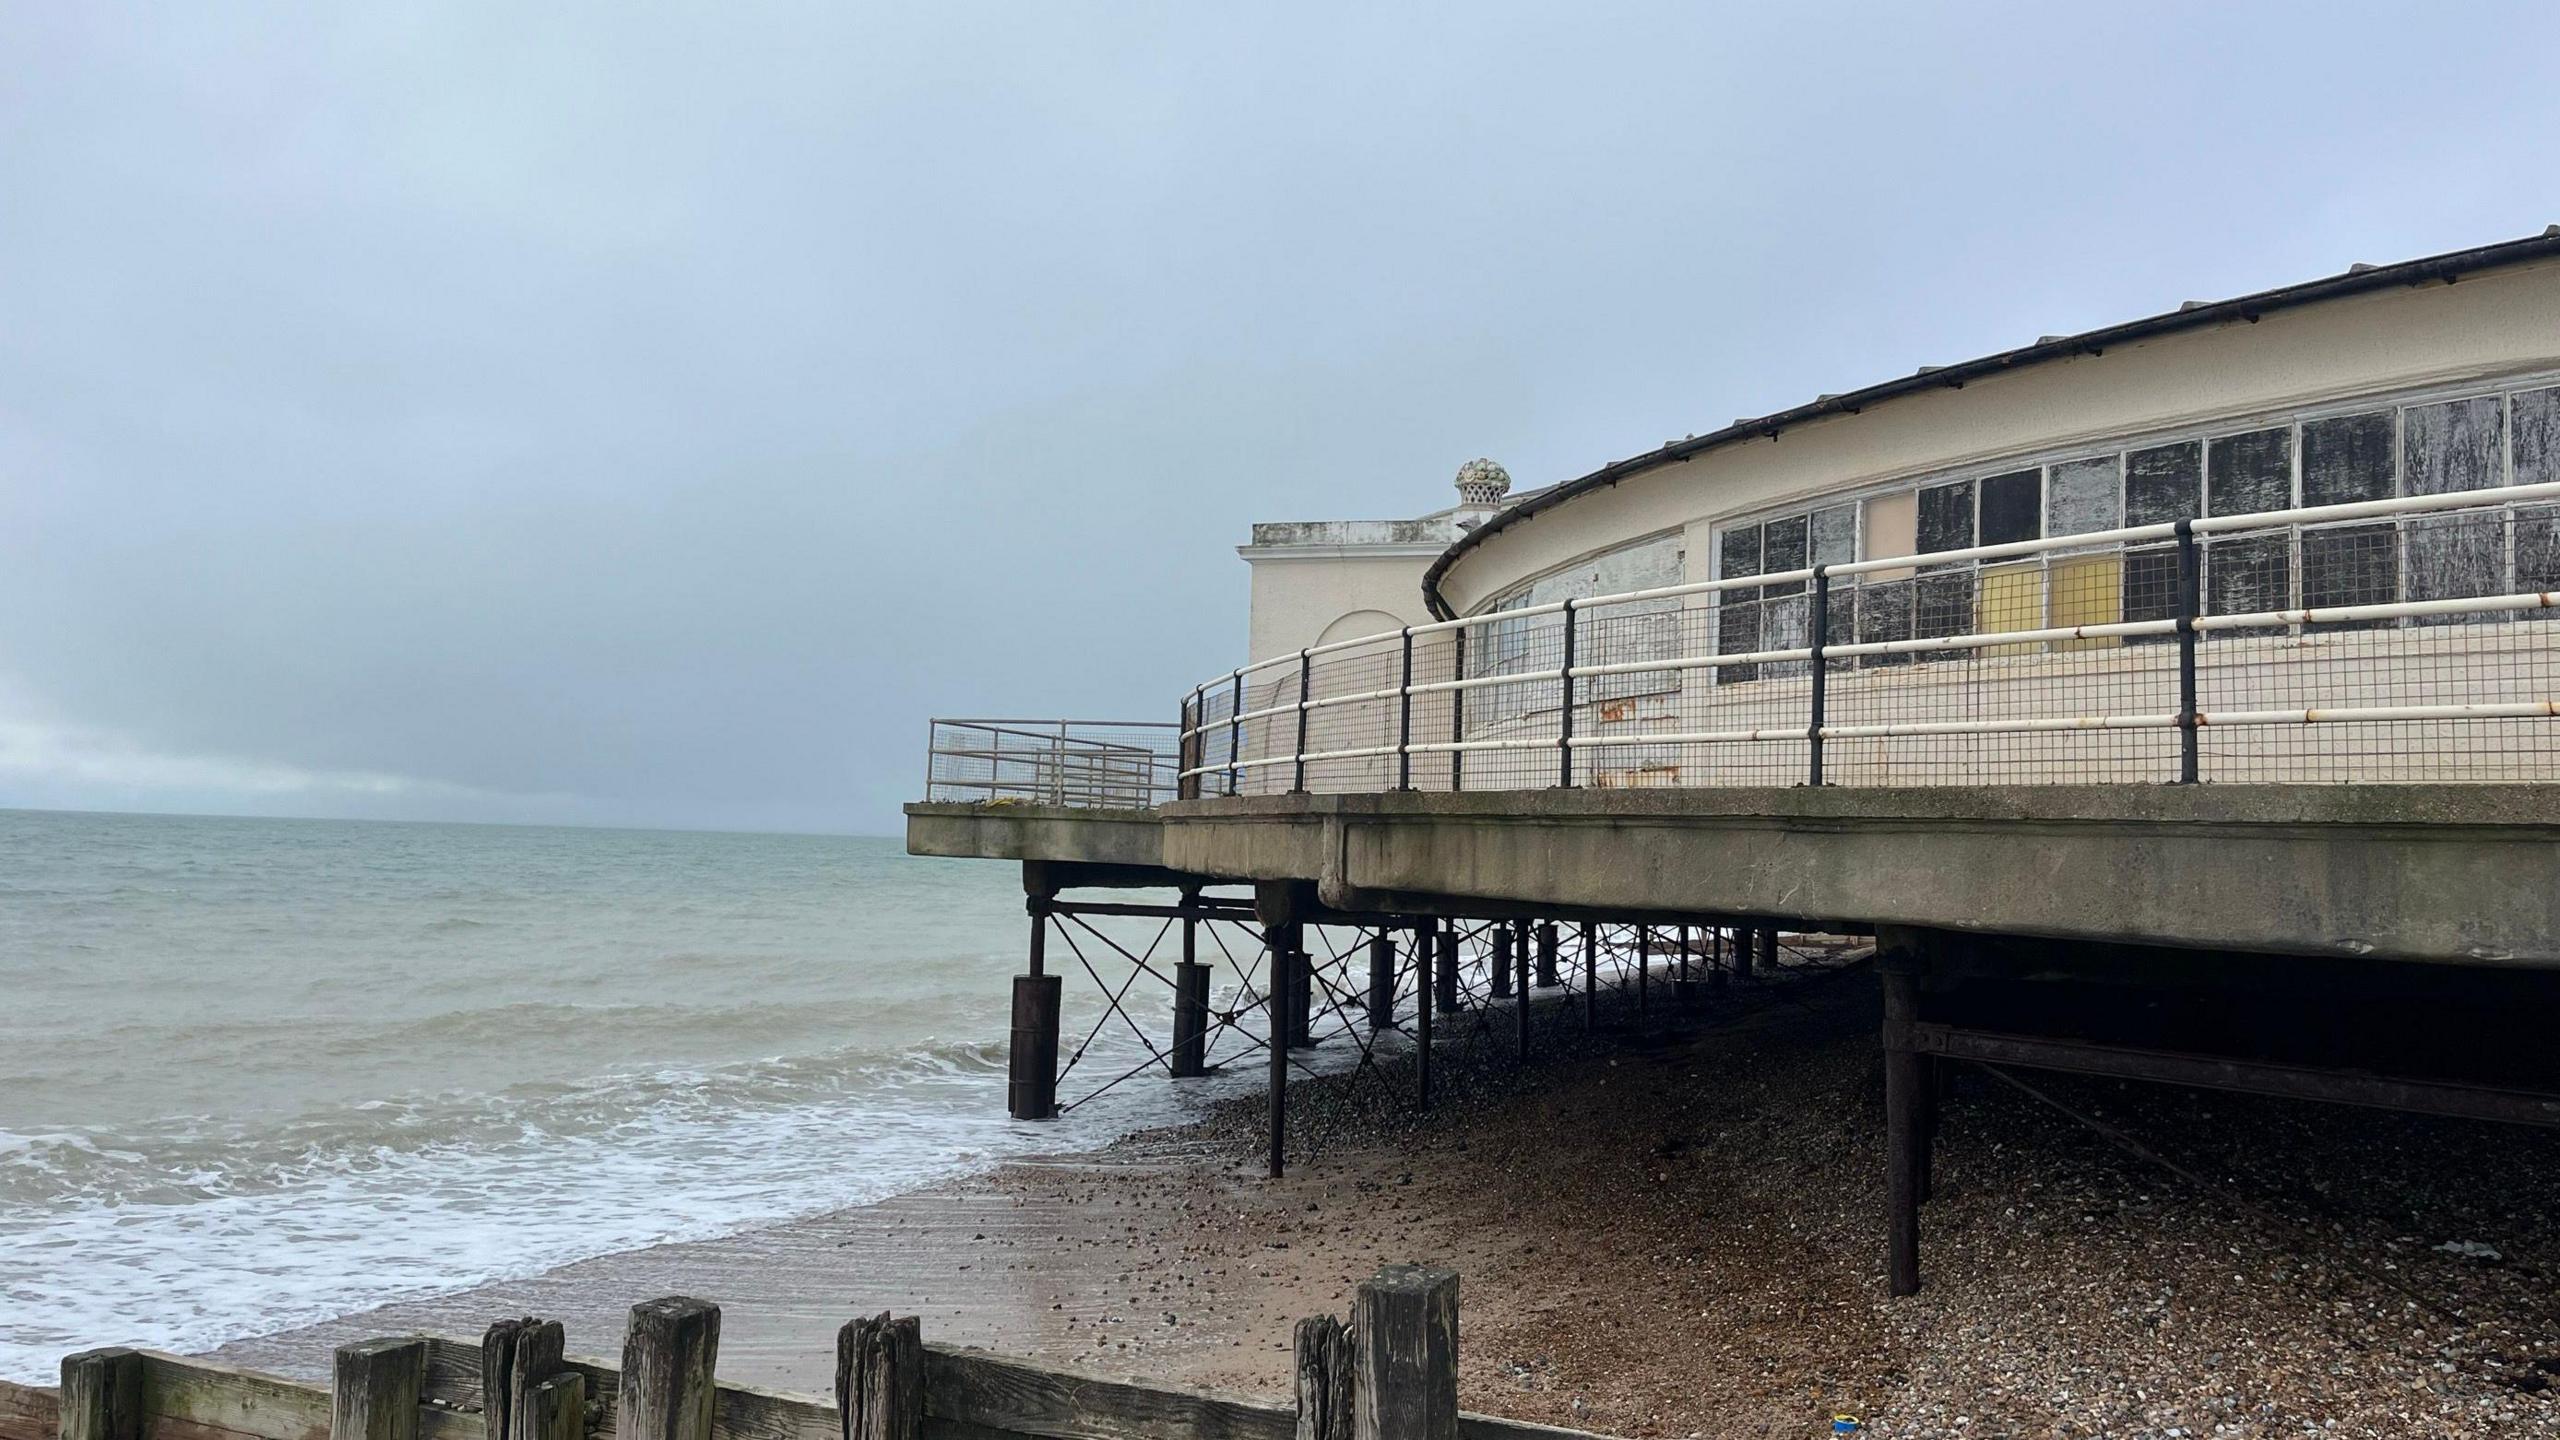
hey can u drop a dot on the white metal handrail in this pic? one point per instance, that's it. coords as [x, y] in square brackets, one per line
[1229, 733]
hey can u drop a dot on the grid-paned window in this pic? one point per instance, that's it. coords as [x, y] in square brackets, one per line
[2430, 447]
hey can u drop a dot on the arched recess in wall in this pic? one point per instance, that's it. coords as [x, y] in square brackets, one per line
[1367, 723]
[1357, 624]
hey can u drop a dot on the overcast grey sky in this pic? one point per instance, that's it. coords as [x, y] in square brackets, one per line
[600, 414]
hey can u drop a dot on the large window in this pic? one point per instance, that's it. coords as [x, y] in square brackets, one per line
[2424, 447]
[1645, 630]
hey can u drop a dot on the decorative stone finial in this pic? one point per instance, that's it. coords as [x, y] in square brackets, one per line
[1481, 482]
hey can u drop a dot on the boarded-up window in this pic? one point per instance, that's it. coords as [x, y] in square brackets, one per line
[1623, 633]
[2164, 483]
[2151, 586]
[1840, 621]
[2012, 507]
[2347, 458]
[2081, 497]
[2537, 462]
[1892, 528]
[1835, 535]
[2161, 484]
[2009, 597]
[1884, 613]
[2458, 445]
[1737, 611]
[1942, 604]
[1782, 606]
[2445, 449]
[1946, 517]
[2247, 574]
[1782, 548]
[2246, 474]
[2085, 590]
[2351, 565]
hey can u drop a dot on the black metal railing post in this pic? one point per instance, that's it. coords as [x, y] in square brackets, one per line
[1564, 714]
[1819, 626]
[2190, 606]
[1235, 733]
[1298, 757]
[1194, 747]
[1404, 716]
[1458, 714]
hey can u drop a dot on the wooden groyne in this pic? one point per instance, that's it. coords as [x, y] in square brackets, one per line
[1390, 1373]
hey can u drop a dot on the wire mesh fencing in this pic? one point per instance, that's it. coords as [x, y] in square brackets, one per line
[2406, 639]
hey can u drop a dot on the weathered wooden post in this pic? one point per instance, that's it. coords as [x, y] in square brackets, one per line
[880, 1379]
[1325, 1384]
[1499, 968]
[553, 1409]
[516, 1358]
[1382, 979]
[1404, 1336]
[1190, 1055]
[668, 1355]
[373, 1390]
[1031, 1062]
[1546, 954]
[102, 1395]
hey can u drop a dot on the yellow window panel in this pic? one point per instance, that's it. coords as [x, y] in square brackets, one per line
[2009, 597]
[2088, 591]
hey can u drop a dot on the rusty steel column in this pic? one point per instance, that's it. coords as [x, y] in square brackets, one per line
[1899, 958]
[1382, 980]
[1189, 1057]
[1444, 975]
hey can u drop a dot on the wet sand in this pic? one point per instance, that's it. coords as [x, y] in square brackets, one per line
[1673, 1230]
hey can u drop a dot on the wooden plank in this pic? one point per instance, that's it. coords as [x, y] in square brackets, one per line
[969, 1395]
[373, 1393]
[981, 1390]
[29, 1412]
[185, 1398]
[552, 1409]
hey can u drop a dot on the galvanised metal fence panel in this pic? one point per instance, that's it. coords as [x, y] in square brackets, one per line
[1093, 764]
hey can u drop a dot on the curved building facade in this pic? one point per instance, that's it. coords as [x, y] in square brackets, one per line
[2423, 383]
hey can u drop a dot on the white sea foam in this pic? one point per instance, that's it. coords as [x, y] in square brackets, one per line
[255, 1077]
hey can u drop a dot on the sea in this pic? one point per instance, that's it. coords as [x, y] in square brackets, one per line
[255, 1073]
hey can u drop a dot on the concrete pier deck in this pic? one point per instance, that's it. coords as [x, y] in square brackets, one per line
[2465, 874]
